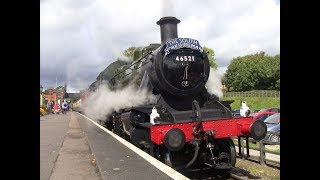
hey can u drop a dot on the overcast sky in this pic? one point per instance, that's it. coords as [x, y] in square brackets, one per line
[80, 38]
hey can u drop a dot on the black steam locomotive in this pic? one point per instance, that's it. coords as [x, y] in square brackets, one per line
[187, 126]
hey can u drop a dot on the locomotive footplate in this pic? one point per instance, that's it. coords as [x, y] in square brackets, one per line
[224, 128]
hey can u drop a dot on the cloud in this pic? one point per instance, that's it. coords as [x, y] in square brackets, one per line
[79, 38]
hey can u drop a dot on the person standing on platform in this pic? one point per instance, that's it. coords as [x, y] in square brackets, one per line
[64, 107]
[56, 108]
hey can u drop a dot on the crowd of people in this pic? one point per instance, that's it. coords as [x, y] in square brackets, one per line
[56, 108]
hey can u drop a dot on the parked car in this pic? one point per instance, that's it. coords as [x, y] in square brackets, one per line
[273, 126]
[272, 109]
[262, 115]
[235, 112]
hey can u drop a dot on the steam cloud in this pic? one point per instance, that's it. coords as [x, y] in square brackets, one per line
[167, 8]
[214, 83]
[104, 101]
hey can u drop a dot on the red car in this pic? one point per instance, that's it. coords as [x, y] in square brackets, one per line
[273, 109]
[261, 116]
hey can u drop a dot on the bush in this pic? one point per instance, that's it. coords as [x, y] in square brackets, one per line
[42, 111]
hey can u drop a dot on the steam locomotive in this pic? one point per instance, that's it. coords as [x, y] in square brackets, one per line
[187, 126]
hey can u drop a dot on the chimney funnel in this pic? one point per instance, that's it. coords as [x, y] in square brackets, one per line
[168, 28]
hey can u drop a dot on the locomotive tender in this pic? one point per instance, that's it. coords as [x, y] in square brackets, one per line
[186, 127]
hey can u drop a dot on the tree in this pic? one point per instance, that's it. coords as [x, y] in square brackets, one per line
[256, 71]
[210, 53]
[129, 52]
[277, 72]
[269, 72]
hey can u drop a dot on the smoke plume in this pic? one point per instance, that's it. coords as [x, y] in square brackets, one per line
[104, 101]
[214, 83]
[167, 8]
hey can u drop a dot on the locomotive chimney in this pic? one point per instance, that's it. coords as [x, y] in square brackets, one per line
[168, 28]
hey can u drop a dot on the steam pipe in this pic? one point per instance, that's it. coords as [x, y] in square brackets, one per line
[195, 105]
[196, 152]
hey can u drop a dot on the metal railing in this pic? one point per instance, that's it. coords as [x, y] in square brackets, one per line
[262, 150]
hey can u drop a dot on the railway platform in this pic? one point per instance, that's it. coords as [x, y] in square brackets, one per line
[73, 146]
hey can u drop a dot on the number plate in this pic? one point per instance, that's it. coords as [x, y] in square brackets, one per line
[184, 58]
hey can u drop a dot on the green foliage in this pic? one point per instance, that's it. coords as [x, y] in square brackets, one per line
[254, 103]
[257, 71]
[137, 54]
[210, 53]
[129, 52]
[125, 75]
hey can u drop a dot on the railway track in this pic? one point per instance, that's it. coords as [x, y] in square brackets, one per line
[209, 174]
[240, 174]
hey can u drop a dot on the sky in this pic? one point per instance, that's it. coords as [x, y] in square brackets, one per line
[80, 38]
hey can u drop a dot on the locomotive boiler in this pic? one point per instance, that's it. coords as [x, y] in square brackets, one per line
[187, 126]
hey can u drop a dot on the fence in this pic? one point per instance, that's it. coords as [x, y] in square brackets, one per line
[262, 150]
[252, 94]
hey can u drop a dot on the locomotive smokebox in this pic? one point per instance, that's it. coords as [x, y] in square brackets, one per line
[168, 28]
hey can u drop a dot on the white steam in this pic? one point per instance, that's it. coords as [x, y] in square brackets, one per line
[167, 8]
[122, 57]
[104, 101]
[214, 83]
